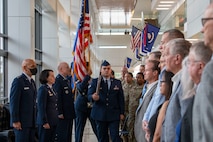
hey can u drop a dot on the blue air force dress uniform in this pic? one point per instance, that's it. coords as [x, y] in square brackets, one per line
[82, 109]
[66, 107]
[23, 107]
[107, 110]
[47, 113]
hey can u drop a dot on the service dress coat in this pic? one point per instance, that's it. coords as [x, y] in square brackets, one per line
[47, 106]
[23, 101]
[65, 97]
[110, 105]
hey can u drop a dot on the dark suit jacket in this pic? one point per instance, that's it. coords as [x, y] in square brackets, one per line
[111, 103]
[23, 101]
[65, 97]
[47, 106]
[81, 100]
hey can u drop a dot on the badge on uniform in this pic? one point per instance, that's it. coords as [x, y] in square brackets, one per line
[116, 88]
[26, 88]
[66, 92]
[50, 93]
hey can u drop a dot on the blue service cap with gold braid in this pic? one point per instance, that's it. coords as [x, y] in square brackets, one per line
[105, 63]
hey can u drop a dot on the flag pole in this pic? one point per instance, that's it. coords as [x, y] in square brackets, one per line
[125, 61]
[99, 82]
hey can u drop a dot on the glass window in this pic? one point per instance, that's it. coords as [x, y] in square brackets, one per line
[3, 51]
[2, 95]
[38, 39]
[1, 16]
[114, 17]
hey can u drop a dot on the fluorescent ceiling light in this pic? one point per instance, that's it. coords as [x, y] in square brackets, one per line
[162, 8]
[112, 46]
[167, 2]
[139, 19]
[114, 17]
[164, 5]
[112, 33]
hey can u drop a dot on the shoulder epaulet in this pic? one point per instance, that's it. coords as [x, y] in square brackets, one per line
[18, 76]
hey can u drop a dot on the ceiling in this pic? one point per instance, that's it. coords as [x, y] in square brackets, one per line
[139, 10]
[127, 5]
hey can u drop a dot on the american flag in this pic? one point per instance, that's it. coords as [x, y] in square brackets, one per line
[135, 38]
[83, 39]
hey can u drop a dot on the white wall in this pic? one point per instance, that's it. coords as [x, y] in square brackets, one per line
[20, 35]
[195, 11]
[56, 43]
[50, 44]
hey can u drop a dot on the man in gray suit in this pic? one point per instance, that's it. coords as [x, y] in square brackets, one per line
[176, 50]
[151, 76]
[203, 103]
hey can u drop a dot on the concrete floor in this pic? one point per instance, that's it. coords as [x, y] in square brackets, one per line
[88, 136]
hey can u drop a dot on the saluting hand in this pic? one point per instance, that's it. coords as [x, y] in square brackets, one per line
[95, 97]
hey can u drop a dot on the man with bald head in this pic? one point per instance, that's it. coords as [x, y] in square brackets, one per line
[65, 103]
[203, 103]
[23, 103]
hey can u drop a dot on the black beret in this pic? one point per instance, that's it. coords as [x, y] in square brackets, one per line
[105, 63]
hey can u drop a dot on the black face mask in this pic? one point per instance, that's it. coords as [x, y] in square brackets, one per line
[33, 71]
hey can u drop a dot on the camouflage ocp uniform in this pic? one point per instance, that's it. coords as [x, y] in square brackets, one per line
[127, 87]
[134, 95]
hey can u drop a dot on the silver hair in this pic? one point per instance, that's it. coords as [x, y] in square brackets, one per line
[201, 52]
[179, 46]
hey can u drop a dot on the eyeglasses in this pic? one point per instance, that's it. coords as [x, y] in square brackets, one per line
[189, 62]
[204, 20]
